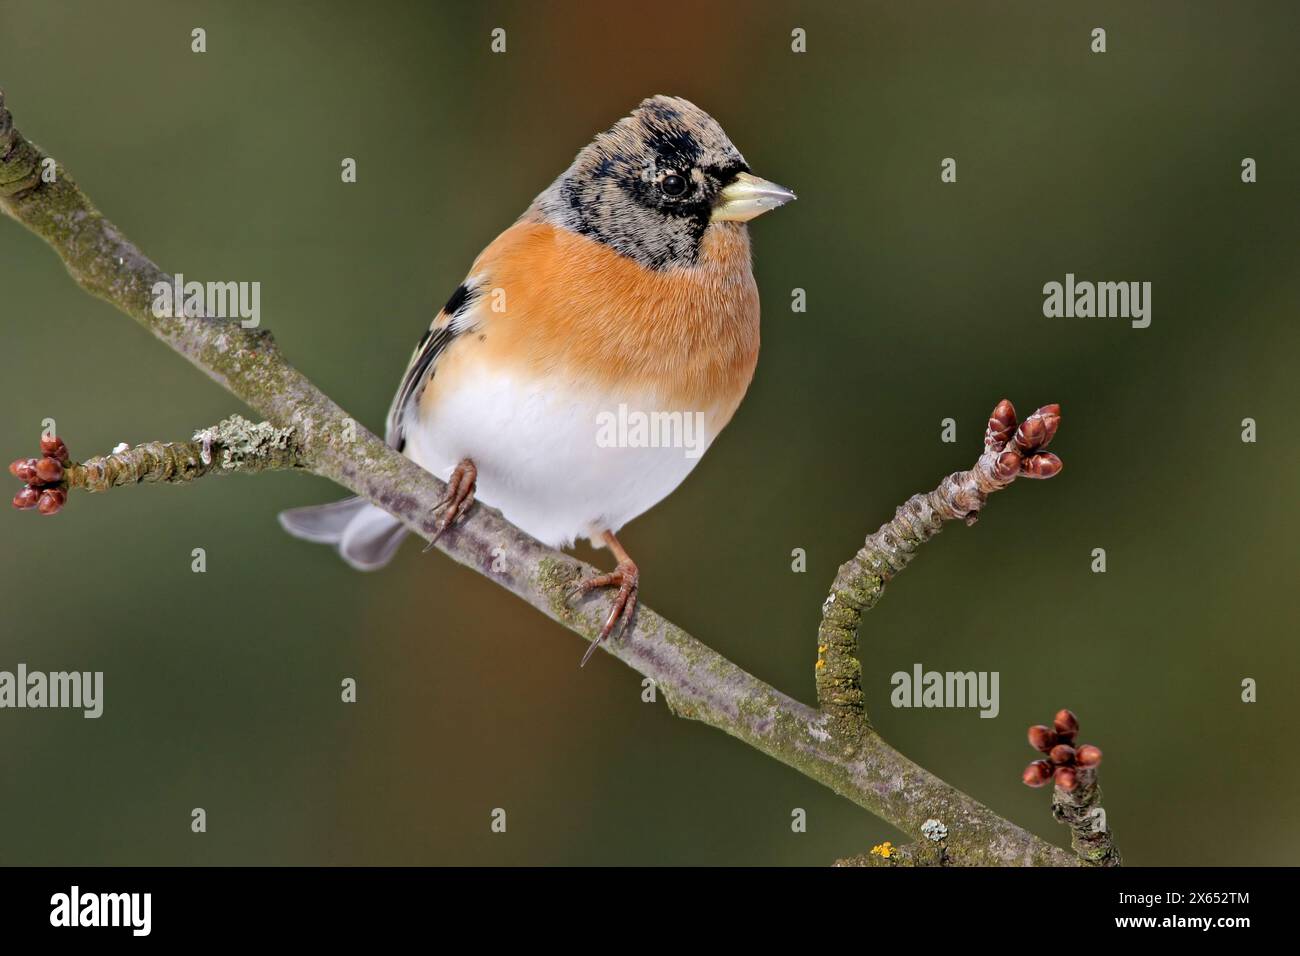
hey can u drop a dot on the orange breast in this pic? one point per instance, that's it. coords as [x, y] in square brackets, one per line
[573, 307]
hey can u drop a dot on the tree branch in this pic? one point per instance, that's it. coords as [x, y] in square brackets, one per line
[696, 681]
[232, 445]
[920, 853]
[1080, 809]
[1009, 452]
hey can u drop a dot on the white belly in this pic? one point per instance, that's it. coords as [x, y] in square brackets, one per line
[559, 462]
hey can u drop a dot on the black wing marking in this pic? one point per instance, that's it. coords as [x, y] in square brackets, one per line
[420, 368]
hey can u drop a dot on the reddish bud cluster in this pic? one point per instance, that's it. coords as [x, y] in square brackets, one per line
[43, 477]
[1064, 760]
[1033, 435]
[1019, 446]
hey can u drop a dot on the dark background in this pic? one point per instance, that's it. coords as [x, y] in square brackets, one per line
[924, 302]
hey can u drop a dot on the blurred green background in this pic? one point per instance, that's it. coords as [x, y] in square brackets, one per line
[924, 302]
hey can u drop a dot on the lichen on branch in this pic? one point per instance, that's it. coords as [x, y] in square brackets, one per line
[1011, 450]
[232, 445]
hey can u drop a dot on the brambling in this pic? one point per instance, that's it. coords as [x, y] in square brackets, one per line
[624, 293]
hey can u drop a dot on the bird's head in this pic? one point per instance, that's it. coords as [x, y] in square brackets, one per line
[653, 183]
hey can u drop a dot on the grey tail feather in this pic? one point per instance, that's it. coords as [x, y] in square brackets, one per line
[367, 537]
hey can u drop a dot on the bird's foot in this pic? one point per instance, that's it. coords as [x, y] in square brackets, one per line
[460, 495]
[626, 578]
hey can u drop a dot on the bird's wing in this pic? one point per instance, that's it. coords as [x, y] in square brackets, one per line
[451, 321]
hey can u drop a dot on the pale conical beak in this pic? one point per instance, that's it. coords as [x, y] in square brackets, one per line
[748, 196]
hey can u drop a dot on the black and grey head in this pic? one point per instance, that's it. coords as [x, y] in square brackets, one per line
[652, 184]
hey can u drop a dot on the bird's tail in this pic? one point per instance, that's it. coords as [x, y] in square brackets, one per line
[366, 536]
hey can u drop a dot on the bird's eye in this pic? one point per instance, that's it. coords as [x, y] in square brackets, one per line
[673, 185]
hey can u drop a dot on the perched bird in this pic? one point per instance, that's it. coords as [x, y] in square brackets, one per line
[594, 351]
